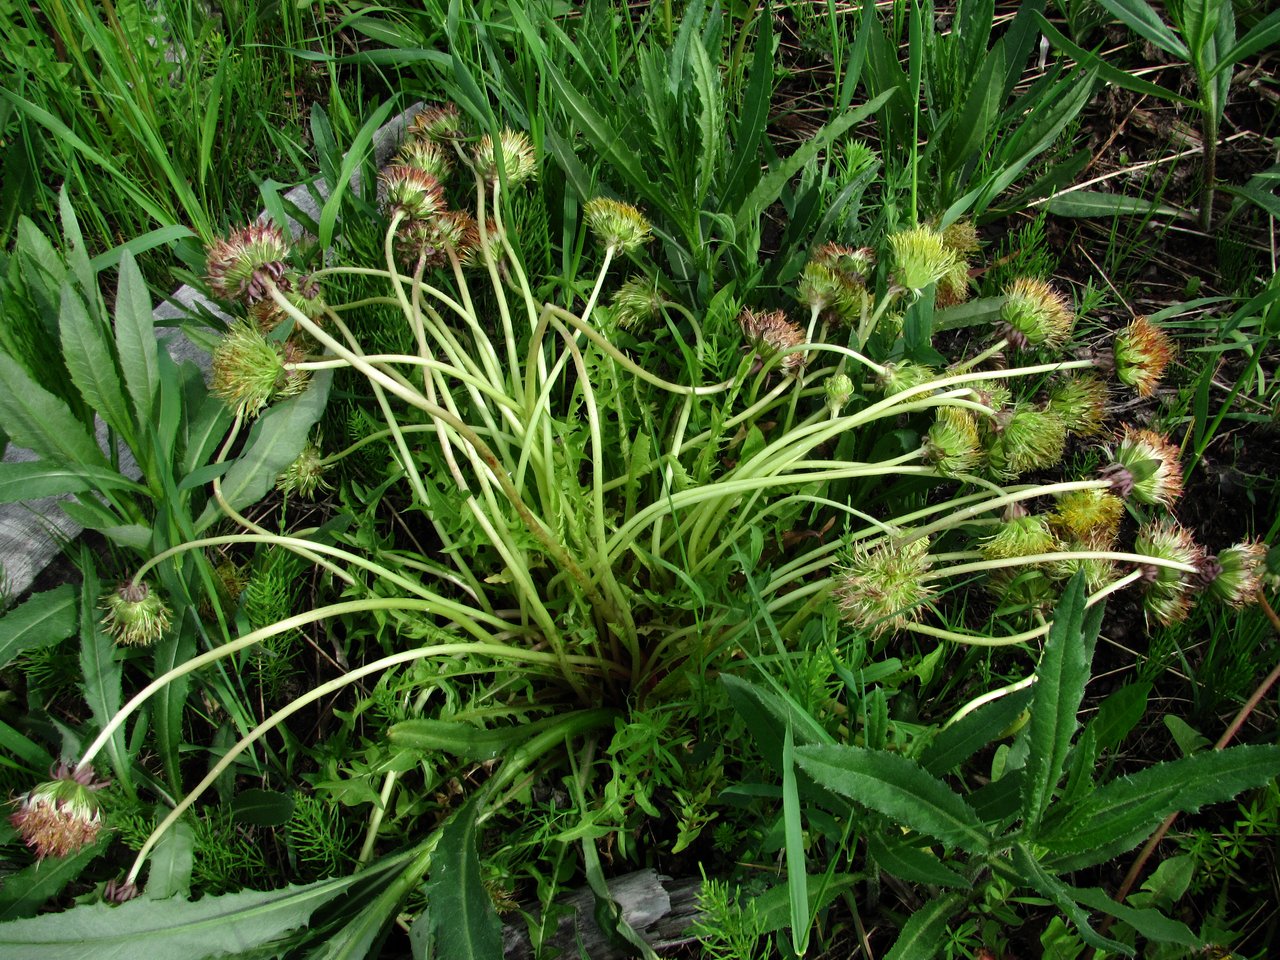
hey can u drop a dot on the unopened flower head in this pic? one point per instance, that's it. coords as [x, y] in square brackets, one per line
[952, 444]
[1146, 467]
[904, 375]
[244, 264]
[637, 302]
[855, 263]
[1090, 517]
[882, 588]
[1035, 315]
[248, 369]
[771, 335]
[432, 240]
[617, 225]
[476, 250]
[425, 155]
[839, 388]
[60, 817]
[1079, 401]
[962, 237]
[305, 476]
[953, 286]
[920, 257]
[1024, 439]
[412, 192]
[1240, 569]
[1168, 591]
[832, 294]
[1097, 572]
[515, 154]
[437, 122]
[1023, 589]
[1022, 536]
[305, 294]
[134, 614]
[1142, 351]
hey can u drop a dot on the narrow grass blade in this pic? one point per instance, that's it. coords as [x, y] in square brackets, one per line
[797, 869]
[1146, 23]
[356, 155]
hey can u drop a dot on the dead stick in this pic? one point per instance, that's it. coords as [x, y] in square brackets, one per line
[1263, 688]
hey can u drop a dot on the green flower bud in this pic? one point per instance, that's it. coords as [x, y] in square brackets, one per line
[305, 476]
[882, 588]
[514, 152]
[1035, 315]
[134, 615]
[617, 225]
[920, 257]
[1168, 591]
[838, 388]
[952, 444]
[1142, 351]
[1025, 439]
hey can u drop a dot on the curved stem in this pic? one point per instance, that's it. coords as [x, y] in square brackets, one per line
[317, 693]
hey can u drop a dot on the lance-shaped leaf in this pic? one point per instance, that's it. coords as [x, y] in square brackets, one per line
[34, 418]
[899, 788]
[1060, 682]
[229, 926]
[43, 620]
[1120, 815]
[462, 916]
[925, 931]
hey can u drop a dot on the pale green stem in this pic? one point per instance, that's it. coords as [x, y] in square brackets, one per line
[603, 343]
[1062, 557]
[459, 614]
[375, 819]
[304, 548]
[1027, 635]
[324, 690]
[990, 697]
[842, 351]
[732, 487]
[993, 695]
[438, 294]
[597, 500]
[481, 384]
[972, 362]
[995, 503]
